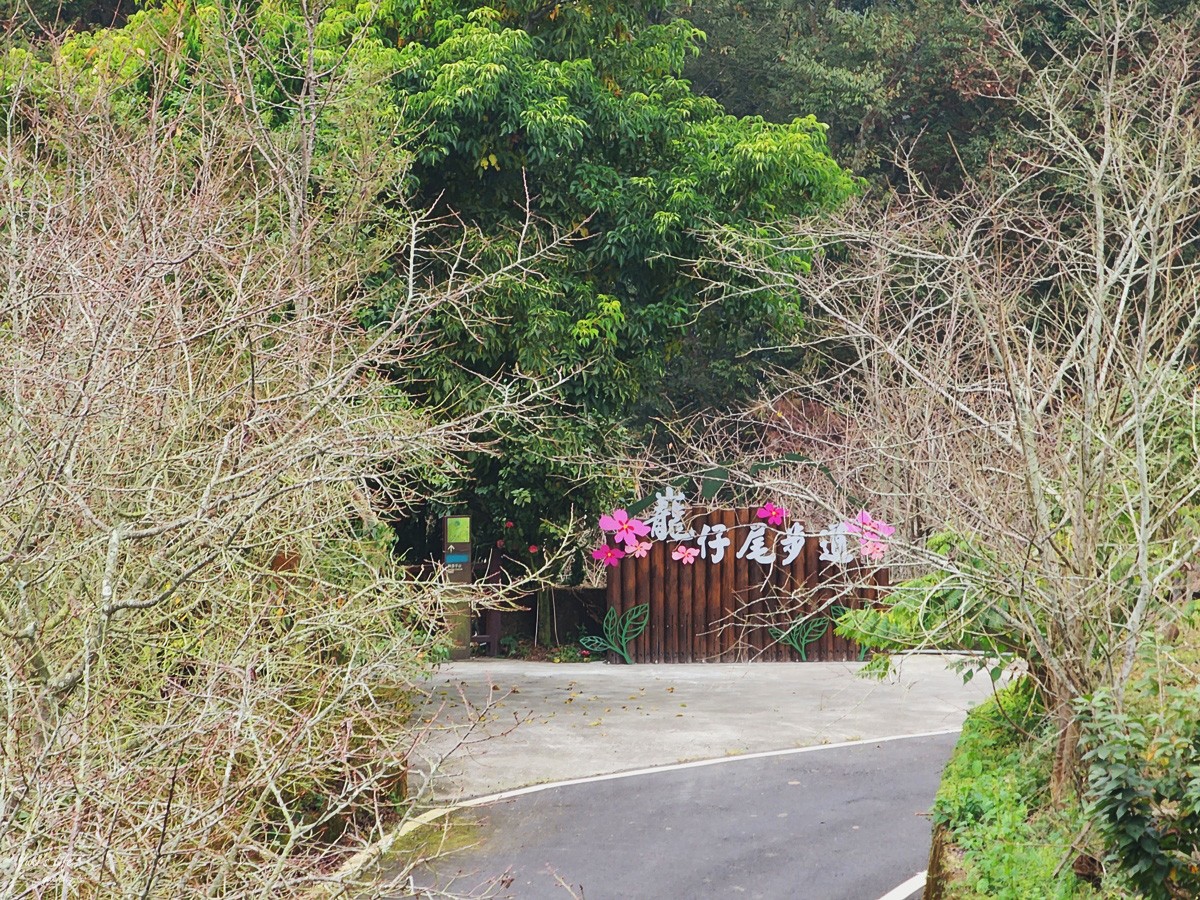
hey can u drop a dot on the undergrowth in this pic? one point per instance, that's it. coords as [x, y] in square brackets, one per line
[995, 804]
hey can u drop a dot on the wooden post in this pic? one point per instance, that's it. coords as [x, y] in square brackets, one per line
[725, 598]
[687, 577]
[700, 582]
[629, 596]
[644, 642]
[714, 589]
[653, 575]
[668, 583]
[736, 596]
[780, 576]
[612, 584]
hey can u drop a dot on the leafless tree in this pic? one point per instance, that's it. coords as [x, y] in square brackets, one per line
[1015, 364]
[207, 646]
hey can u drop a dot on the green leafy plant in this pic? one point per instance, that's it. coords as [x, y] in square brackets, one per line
[801, 633]
[836, 612]
[619, 630]
[1144, 788]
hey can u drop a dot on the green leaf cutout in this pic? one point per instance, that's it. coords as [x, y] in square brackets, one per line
[619, 631]
[801, 634]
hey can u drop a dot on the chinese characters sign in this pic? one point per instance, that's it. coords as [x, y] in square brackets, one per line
[769, 541]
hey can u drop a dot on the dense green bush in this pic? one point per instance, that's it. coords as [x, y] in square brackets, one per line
[1144, 788]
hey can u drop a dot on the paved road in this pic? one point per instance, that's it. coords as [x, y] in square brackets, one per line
[838, 824]
[589, 719]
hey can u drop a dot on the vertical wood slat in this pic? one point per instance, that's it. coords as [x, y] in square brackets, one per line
[661, 561]
[714, 577]
[800, 579]
[686, 576]
[699, 574]
[756, 572]
[737, 596]
[726, 598]
[828, 573]
[708, 638]
[780, 578]
[629, 596]
[700, 595]
[612, 584]
[731, 606]
[721, 600]
[812, 562]
[765, 597]
[788, 603]
[681, 640]
[745, 605]
[661, 620]
[642, 577]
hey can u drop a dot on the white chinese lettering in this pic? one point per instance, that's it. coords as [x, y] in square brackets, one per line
[718, 542]
[755, 546]
[834, 546]
[792, 543]
[666, 520]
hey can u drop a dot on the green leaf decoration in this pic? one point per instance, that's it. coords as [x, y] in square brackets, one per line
[801, 633]
[711, 481]
[610, 625]
[619, 631]
[813, 631]
[634, 622]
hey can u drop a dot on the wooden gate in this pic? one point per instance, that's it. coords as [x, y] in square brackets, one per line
[739, 609]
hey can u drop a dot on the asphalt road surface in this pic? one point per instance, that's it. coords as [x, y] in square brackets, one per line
[845, 823]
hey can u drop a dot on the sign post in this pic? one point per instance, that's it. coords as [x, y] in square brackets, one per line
[456, 557]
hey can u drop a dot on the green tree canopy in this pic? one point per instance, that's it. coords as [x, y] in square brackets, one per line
[879, 72]
[576, 114]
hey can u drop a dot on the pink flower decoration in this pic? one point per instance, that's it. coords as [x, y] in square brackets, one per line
[624, 528]
[608, 554]
[614, 520]
[533, 548]
[686, 555]
[772, 513]
[641, 550]
[873, 550]
[871, 534]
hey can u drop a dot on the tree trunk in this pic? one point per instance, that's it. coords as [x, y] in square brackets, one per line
[1066, 777]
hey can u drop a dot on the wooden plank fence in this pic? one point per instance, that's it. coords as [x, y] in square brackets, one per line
[737, 610]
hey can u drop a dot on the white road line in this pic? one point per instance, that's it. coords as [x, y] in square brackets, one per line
[696, 764]
[432, 815]
[904, 891]
[437, 812]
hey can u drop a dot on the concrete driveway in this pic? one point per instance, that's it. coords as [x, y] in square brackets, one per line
[503, 724]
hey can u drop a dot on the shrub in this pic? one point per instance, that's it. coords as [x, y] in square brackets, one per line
[1144, 789]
